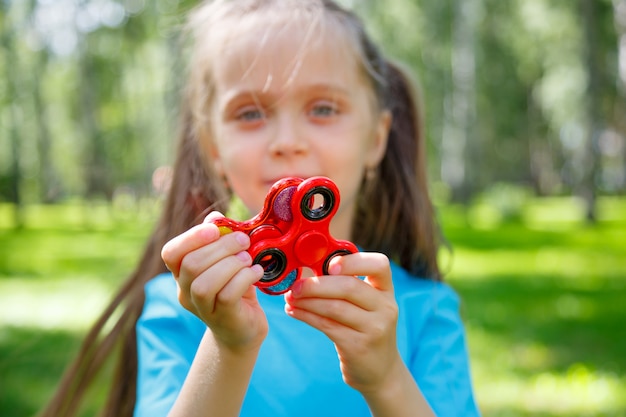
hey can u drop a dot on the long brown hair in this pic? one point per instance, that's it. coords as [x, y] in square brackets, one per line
[394, 215]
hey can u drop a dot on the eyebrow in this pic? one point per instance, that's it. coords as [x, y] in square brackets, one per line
[242, 93]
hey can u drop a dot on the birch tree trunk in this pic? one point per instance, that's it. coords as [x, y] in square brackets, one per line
[457, 144]
[47, 175]
[619, 13]
[13, 82]
[593, 110]
[96, 175]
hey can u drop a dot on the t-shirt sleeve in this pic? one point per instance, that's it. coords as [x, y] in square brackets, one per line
[167, 339]
[440, 362]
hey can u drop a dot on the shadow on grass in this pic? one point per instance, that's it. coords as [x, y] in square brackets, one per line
[605, 236]
[575, 325]
[545, 314]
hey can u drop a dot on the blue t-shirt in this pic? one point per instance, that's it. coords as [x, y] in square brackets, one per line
[297, 372]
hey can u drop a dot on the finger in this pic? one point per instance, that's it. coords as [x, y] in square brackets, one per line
[199, 260]
[175, 250]
[212, 216]
[373, 265]
[334, 329]
[341, 287]
[337, 318]
[318, 312]
[203, 290]
[217, 257]
[237, 287]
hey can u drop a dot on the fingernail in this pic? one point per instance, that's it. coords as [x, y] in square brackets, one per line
[334, 268]
[258, 270]
[289, 310]
[244, 256]
[241, 238]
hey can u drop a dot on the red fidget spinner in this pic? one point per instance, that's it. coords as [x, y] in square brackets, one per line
[292, 231]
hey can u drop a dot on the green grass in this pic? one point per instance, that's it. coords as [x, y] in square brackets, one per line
[56, 275]
[544, 306]
[542, 298]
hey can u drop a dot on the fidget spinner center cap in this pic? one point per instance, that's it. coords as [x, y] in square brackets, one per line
[311, 247]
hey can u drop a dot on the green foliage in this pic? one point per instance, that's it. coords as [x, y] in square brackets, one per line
[108, 85]
[542, 296]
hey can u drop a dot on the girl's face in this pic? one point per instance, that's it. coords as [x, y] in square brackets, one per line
[281, 109]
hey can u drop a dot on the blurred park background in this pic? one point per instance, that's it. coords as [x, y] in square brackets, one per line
[525, 112]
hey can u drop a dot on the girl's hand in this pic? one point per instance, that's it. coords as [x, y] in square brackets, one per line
[359, 316]
[215, 282]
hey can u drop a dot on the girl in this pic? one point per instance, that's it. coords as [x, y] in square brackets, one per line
[283, 88]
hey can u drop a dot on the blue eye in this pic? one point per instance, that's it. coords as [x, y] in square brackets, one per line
[250, 115]
[324, 110]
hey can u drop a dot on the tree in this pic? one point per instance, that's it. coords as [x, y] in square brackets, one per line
[460, 148]
[593, 108]
[13, 82]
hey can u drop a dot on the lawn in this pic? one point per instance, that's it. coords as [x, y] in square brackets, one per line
[543, 298]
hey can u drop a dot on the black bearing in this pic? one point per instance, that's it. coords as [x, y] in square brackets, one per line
[317, 213]
[274, 263]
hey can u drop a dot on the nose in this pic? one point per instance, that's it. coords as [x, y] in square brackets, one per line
[287, 139]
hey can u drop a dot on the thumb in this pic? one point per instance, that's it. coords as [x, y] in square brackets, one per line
[374, 266]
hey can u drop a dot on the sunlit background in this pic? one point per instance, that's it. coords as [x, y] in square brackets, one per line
[525, 113]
